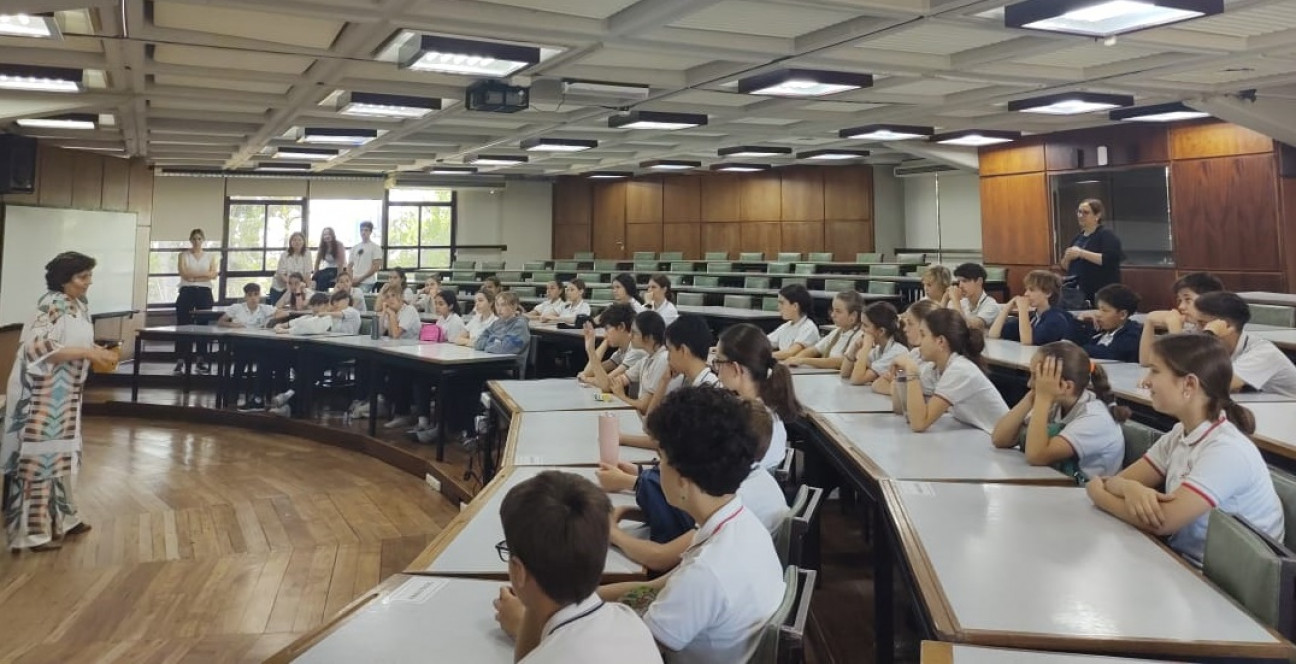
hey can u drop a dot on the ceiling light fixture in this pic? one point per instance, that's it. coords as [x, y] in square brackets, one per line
[975, 137]
[1104, 18]
[1172, 112]
[736, 167]
[69, 121]
[451, 170]
[803, 83]
[557, 144]
[283, 166]
[886, 132]
[40, 79]
[313, 154]
[754, 151]
[609, 175]
[832, 154]
[497, 160]
[376, 105]
[656, 120]
[1071, 103]
[670, 164]
[468, 57]
[39, 26]
[334, 136]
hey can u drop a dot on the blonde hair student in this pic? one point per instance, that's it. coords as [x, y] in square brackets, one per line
[936, 282]
[961, 384]
[876, 348]
[830, 351]
[1205, 462]
[1069, 415]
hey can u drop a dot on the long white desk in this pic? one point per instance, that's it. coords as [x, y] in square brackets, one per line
[1125, 378]
[829, 393]
[1275, 427]
[940, 652]
[566, 438]
[1283, 338]
[551, 394]
[1039, 567]
[949, 451]
[466, 547]
[1274, 299]
[411, 619]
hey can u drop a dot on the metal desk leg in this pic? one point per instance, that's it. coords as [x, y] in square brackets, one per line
[441, 415]
[373, 399]
[883, 588]
[139, 346]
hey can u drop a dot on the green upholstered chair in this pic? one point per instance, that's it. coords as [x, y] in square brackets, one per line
[789, 256]
[884, 270]
[1252, 568]
[605, 265]
[601, 294]
[782, 640]
[738, 301]
[1285, 485]
[720, 266]
[868, 257]
[839, 285]
[671, 256]
[533, 265]
[778, 268]
[566, 266]
[1139, 438]
[591, 277]
[820, 256]
[645, 267]
[882, 287]
[645, 256]
[911, 259]
[769, 304]
[509, 275]
[716, 256]
[681, 266]
[996, 273]
[690, 299]
[464, 265]
[804, 268]
[492, 265]
[788, 281]
[1269, 314]
[542, 276]
[789, 540]
[756, 282]
[709, 282]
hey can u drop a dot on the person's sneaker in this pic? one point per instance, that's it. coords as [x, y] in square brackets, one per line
[281, 411]
[252, 405]
[399, 422]
[361, 411]
[282, 399]
[382, 406]
[426, 436]
[179, 368]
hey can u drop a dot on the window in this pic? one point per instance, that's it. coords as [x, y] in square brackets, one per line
[164, 270]
[344, 217]
[420, 228]
[1136, 205]
[257, 232]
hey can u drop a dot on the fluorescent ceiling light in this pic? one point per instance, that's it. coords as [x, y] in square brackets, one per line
[70, 121]
[754, 151]
[39, 26]
[670, 164]
[40, 79]
[1172, 112]
[468, 57]
[609, 175]
[656, 120]
[333, 136]
[740, 168]
[1104, 18]
[832, 155]
[375, 105]
[283, 166]
[497, 160]
[1071, 103]
[313, 154]
[557, 144]
[452, 170]
[975, 138]
[886, 132]
[803, 83]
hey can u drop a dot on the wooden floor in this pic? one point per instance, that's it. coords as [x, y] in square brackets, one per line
[210, 544]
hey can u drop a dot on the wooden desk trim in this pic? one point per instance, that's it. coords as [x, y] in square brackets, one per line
[937, 652]
[499, 393]
[506, 459]
[448, 534]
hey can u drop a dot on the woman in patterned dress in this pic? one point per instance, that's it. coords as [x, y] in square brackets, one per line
[41, 446]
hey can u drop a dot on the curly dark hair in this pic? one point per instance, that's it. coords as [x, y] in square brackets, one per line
[59, 272]
[707, 436]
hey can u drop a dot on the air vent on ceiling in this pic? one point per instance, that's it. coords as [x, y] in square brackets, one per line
[917, 167]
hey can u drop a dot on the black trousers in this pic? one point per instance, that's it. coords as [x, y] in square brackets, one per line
[190, 299]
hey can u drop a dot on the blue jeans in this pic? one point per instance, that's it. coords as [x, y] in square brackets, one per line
[665, 523]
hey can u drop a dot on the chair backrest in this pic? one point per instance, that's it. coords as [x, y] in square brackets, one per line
[605, 265]
[738, 301]
[509, 275]
[526, 359]
[492, 265]
[647, 267]
[882, 287]
[590, 277]
[601, 294]
[671, 256]
[1269, 314]
[868, 257]
[790, 538]
[703, 280]
[533, 265]
[720, 266]
[911, 259]
[751, 256]
[820, 256]
[371, 301]
[644, 256]
[756, 282]
[1138, 440]
[884, 270]
[463, 276]
[1284, 484]
[769, 304]
[804, 268]
[839, 284]
[996, 273]
[690, 299]
[681, 266]
[464, 265]
[778, 268]
[795, 280]
[366, 325]
[1245, 564]
[565, 266]
[782, 640]
[716, 256]
[542, 276]
[583, 256]
[789, 256]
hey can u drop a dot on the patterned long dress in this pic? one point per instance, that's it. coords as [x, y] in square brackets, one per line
[41, 446]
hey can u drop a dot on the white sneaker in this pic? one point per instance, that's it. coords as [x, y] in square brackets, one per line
[361, 411]
[282, 411]
[282, 399]
[427, 435]
[399, 422]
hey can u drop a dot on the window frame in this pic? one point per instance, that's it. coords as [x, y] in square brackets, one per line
[388, 248]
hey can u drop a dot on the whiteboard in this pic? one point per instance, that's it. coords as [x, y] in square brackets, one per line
[34, 235]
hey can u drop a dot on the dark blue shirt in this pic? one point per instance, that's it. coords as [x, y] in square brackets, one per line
[1052, 325]
[1122, 347]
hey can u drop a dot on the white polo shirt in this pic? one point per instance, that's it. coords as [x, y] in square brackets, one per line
[761, 493]
[476, 324]
[570, 310]
[836, 343]
[778, 443]
[453, 327]
[358, 300]
[1094, 436]
[1262, 366]
[803, 332]
[628, 357]
[1219, 463]
[880, 358]
[594, 632]
[985, 308]
[637, 305]
[349, 323]
[408, 320]
[972, 397]
[239, 313]
[310, 325]
[667, 311]
[927, 375]
[549, 308]
[704, 377]
[362, 257]
[727, 585]
[649, 371]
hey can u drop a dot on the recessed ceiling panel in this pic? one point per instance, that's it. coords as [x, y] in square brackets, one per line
[200, 56]
[621, 57]
[765, 19]
[266, 26]
[599, 9]
[222, 84]
[938, 39]
[1261, 20]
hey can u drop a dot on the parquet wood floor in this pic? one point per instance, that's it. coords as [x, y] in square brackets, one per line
[210, 544]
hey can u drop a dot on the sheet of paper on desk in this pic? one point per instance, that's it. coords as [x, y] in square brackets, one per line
[418, 590]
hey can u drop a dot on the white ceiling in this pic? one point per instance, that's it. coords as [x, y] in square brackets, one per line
[220, 83]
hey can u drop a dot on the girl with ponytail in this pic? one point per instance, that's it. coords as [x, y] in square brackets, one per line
[961, 384]
[744, 362]
[1205, 462]
[1070, 415]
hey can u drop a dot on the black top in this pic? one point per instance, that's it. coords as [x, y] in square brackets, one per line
[1090, 277]
[1122, 346]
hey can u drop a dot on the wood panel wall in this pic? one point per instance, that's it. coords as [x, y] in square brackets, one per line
[800, 208]
[1227, 205]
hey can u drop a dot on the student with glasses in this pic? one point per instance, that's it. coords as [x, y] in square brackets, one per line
[1094, 257]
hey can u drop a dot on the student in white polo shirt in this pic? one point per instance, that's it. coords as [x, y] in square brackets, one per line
[961, 384]
[1183, 318]
[1070, 415]
[877, 346]
[830, 351]
[1205, 462]
[346, 320]
[911, 325]
[713, 607]
[366, 259]
[648, 337]
[968, 296]
[744, 362]
[250, 313]
[1258, 364]
[800, 331]
[617, 322]
[688, 342]
[552, 304]
[658, 297]
[555, 541]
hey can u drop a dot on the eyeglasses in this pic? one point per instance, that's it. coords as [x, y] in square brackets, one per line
[502, 549]
[716, 363]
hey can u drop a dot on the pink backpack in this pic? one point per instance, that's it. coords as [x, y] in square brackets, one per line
[431, 333]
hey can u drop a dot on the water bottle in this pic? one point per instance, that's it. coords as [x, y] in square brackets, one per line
[900, 393]
[374, 332]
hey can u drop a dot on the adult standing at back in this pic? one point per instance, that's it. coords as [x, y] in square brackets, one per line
[330, 258]
[293, 261]
[366, 259]
[1094, 257]
[197, 269]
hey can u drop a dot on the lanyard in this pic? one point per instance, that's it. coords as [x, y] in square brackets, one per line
[575, 618]
[720, 526]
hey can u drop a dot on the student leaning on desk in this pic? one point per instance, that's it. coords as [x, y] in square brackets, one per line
[1257, 363]
[962, 386]
[688, 342]
[828, 352]
[617, 322]
[876, 347]
[911, 325]
[1038, 319]
[1183, 318]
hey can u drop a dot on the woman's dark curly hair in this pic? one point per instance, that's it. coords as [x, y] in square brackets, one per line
[707, 436]
[66, 265]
